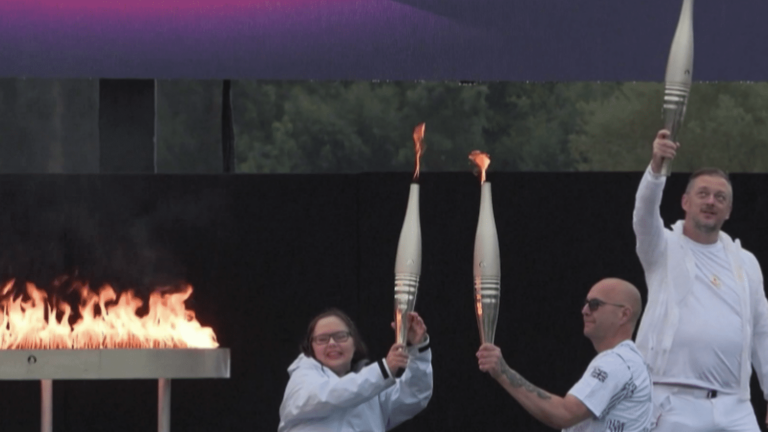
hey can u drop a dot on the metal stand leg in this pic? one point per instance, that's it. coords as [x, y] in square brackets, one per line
[164, 405]
[46, 405]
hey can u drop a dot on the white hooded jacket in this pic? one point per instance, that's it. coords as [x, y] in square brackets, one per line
[371, 400]
[669, 270]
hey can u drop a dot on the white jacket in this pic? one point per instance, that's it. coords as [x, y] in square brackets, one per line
[371, 400]
[669, 271]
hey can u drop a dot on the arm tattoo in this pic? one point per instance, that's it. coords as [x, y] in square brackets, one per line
[517, 381]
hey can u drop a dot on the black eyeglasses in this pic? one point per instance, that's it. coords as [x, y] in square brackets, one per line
[339, 336]
[595, 303]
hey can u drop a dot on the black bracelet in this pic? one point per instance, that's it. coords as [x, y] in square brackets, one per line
[383, 368]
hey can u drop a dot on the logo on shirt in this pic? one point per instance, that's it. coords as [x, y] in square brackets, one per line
[626, 392]
[599, 374]
[614, 425]
[715, 281]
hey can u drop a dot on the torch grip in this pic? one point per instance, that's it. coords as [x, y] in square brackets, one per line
[673, 113]
[406, 288]
[487, 295]
[666, 167]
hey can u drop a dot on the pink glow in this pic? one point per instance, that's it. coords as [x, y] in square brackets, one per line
[32, 9]
[148, 5]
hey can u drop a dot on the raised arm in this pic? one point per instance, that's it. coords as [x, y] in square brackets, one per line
[413, 390]
[646, 220]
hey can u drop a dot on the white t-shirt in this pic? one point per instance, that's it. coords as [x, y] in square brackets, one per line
[616, 388]
[707, 346]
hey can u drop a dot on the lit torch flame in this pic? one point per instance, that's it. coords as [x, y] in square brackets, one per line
[419, 147]
[482, 160]
[105, 320]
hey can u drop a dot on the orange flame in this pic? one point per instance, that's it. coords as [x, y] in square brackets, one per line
[419, 147]
[482, 160]
[33, 324]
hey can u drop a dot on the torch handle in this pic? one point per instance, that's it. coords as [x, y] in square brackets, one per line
[401, 329]
[401, 325]
[487, 296]
[406, 289]
[673, 121]
[673, 113]
[666, 167]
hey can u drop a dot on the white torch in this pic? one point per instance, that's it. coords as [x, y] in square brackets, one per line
[408, 260]
[487, 268]
[677, 81]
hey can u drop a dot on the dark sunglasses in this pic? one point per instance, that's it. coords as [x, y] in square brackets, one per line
[595, 303]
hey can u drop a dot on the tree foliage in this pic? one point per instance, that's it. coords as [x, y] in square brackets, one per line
[726, 125]
[366, 126]
[358, 126]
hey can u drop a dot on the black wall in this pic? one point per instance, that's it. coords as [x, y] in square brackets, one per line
[266, 253]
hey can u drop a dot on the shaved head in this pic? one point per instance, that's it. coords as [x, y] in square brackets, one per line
[619, 291]
[614, 317]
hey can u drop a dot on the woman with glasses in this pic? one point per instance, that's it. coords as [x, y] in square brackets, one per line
[332, 386]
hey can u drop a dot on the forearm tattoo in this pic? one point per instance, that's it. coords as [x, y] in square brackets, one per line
[518, 381]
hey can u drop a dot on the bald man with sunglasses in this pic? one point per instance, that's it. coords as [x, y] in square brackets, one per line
[614, 394]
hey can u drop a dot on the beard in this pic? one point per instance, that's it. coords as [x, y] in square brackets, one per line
[706, 227]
